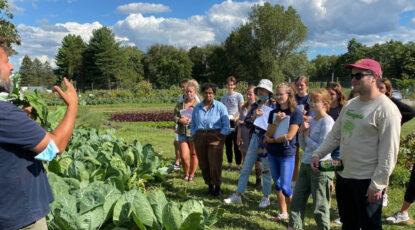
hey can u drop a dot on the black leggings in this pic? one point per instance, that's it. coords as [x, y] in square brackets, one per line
[228, 144]
[410, 190]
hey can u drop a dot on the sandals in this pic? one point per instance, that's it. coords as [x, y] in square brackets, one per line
[279, 217]
[185, 177]
[191, 178]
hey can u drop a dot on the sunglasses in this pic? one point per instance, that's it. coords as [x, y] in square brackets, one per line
[359, 76]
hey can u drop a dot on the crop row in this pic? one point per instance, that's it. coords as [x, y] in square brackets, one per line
[135, 117]
[101, 101]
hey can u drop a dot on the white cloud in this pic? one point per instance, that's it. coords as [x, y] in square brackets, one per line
[141, 8]
[197, 30]
[145, 31]
[44, 41]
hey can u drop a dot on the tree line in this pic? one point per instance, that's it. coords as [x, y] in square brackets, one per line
[268, 46]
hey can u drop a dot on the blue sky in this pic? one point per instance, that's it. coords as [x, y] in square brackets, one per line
[185, 23]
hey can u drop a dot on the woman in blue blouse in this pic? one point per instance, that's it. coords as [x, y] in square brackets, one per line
[209, 127]
[281, 149]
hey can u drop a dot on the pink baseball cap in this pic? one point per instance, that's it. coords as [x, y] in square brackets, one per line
[368, 64]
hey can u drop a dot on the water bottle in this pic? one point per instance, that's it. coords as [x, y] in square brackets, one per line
[330, 165]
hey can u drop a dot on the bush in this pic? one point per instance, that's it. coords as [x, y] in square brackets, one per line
[402, 172]
[123, 94]
[242, 87]
[406, 151]
[400, 176]
[144, 89]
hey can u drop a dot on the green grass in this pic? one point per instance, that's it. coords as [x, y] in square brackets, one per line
[408, 127]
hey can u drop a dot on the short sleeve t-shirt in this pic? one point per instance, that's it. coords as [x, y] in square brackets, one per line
[25, 193]
[232, 102]
[281, 149]
[304, 101]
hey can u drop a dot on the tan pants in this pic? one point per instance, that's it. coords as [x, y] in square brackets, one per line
[209, 151]
[38, 225]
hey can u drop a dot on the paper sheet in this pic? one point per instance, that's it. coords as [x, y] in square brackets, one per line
[186, 113]
[282, 127]
[262, 121]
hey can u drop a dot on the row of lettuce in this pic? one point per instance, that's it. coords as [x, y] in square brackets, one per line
[100, 183]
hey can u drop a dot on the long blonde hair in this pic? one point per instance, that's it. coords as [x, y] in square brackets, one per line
[292, 103]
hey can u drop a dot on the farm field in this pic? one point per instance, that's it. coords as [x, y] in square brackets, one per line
[245, 216]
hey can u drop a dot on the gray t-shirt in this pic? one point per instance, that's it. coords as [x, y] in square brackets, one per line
[232, 102]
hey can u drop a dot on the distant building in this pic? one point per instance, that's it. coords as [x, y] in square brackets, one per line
[33, 88]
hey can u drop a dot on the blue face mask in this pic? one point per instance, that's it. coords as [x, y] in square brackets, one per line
[263, 98]
[49, 153]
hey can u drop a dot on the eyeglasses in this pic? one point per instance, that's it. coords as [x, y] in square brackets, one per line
[280, 94]
[359, 76]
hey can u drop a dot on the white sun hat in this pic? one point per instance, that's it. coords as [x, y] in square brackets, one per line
[265, 84]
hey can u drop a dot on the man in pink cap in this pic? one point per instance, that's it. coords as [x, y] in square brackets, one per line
[368, 132]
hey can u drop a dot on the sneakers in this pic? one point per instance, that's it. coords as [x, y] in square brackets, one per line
[176, 166]
[385, 200]
[264, 202]
[336, 213]
[338, 221]
[398, 217]
[233, 199]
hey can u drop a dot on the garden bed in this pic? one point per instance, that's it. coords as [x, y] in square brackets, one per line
[140, 116]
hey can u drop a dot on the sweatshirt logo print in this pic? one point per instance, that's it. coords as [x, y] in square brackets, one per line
[349, 126]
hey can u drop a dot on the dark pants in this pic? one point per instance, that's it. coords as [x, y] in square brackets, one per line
[410, 190]
[209, 151]
[231, 142]
[354, 208]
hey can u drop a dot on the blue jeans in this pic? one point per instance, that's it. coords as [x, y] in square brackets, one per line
[183, 137]
[282, 169]
[250, 159]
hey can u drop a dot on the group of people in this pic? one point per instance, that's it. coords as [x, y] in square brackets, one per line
[268, 130]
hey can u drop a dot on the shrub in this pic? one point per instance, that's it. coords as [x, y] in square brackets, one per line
[400, 176]
[241, 87]
[403, 168]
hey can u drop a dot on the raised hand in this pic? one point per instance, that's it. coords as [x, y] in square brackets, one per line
[70, 96]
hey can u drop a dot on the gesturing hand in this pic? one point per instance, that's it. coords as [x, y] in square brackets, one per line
[69, 96]
[372, 195]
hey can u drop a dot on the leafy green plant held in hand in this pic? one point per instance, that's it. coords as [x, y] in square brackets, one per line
[48, 120]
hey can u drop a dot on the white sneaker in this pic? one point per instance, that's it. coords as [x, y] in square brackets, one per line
[338, 221]
[385, 200]
[398, 217]
[264, 202]
[176, 166]
[233, 199]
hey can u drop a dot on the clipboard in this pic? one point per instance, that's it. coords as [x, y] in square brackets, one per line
[262, 121]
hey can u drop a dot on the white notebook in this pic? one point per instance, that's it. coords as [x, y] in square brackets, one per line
[282, 127]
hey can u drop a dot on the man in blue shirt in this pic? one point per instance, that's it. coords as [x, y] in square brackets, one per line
[25, 193]
[209, 127]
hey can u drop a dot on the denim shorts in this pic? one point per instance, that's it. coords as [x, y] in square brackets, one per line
[183, 137]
